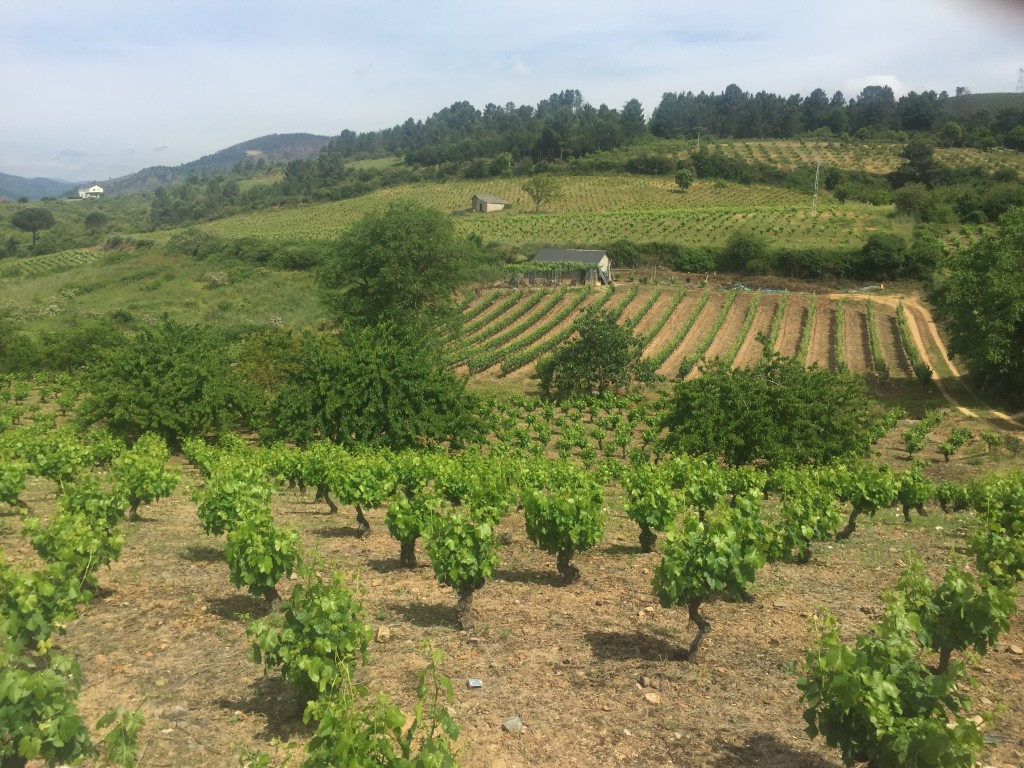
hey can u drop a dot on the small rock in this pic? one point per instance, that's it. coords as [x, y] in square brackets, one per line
[780, 604]
[1016, 650]
[513, 725]
[383, 634]
[176, 712]
[504, 538]
[376, 582]
[293, 576]
[626, 732]
[653, 698]
[645, 681]
[977, 720]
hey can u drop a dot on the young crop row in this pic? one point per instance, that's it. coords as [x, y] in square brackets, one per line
[806, 329]
[695, 357]
[522, 353]
[875, 345]
[730, 356]
[665, 317]
[921, 370]
[620, 308]
[839, 336]
[492, 313]
[635, 320]
[509, 326]
[776, 324]
[666, 352]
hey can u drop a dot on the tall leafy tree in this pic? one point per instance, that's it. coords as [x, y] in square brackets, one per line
[174, 380]
[778, 412]
[401, 265]
[32, 220]
[601, 356]
[979, 298]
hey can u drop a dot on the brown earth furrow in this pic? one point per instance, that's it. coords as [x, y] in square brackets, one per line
[698, 332]
[637, 303]
[654, 314]
[731, 327]
[892, 346]
[752, 350]
[788, 343]
[670, 367]
[857, 348]
[820, 351]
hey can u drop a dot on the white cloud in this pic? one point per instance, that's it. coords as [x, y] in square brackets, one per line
[197, 76]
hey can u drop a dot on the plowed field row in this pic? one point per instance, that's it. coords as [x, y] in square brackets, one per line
[856, 350]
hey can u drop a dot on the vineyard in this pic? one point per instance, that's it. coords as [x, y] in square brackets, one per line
[535, 567]
[506, 331]
[594, 210]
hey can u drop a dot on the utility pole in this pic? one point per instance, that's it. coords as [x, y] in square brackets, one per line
[1020, 80]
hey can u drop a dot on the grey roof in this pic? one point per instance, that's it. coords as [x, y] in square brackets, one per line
[490, 199]
[549, 255]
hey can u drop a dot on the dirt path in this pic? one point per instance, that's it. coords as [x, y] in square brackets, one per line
[919, 317]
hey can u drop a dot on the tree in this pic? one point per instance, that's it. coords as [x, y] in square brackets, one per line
[401, 264]
[778, 412]
[96, 220]
[32, 220]
[979, 299]
[684, 178]
[744, 251]
[601, 356]
[883, 256]
[173, 380]
[542, 189]
[372, 386]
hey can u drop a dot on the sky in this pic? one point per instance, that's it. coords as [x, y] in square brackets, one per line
[95, 90]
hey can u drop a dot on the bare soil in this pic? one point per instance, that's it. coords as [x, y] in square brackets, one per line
[731, 327]
[788, 343]
[655, 312]
[820, 350]
[595, 670]
[683, 314]
[855, 337]
[752, 350]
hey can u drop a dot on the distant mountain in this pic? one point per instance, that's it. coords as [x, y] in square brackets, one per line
[275, 148]
[13, 187]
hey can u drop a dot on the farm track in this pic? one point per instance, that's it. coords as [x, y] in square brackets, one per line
[751, 349]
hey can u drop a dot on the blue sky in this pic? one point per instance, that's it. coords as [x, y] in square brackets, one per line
[97, 89]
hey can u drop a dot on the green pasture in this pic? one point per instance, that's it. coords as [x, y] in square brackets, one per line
[147, 284]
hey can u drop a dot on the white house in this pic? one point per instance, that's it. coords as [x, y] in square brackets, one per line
[488, 203]
[94, 191]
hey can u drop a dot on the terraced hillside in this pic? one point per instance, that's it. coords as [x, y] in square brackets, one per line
[506, 331]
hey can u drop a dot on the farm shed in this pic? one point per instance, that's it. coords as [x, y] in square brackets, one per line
[488, 203]
[555, 265]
